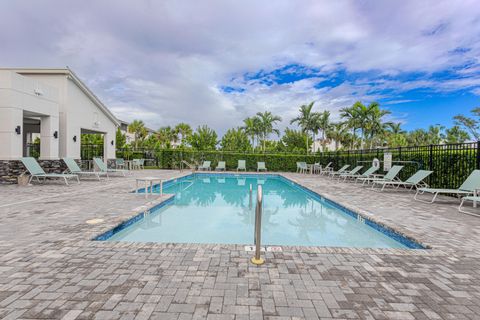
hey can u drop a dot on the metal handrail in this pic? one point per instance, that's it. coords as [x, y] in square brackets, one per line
[258, 228]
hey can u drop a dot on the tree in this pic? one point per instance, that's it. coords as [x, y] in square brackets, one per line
[137, 127]
[307, 120]
[323, 124]
[338, 132]
[471, 124]
[204, 138]
[120, 138]
[252, 128]
[165, 136]
[266, 122]
[352, 121]
[456, 135]
[293, 141]
[184, 130]
[235, 140]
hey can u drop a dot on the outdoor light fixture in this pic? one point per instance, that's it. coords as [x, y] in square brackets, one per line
[18, 130]
[74, 138]
[55, 134]
[112, 142]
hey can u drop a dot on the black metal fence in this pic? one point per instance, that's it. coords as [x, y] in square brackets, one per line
[89, 151]
[451, 164]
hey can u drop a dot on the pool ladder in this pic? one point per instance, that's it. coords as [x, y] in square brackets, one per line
[257, 259]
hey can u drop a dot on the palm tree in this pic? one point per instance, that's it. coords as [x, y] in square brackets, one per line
[395, 128]
[251, 127]
[266, 121]
[338, 132]
[165, 135]
[374, 126]
[323, 125]
[137, 127]
[352, 117]
[184, 130]
[307, 120]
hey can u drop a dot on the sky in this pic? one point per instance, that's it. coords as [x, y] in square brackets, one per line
[218, 62]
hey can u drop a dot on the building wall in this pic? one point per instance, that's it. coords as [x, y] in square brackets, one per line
[19, 94]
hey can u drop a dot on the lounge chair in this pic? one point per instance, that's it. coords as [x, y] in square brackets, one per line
[326, 169]
[261, 166]
[220, 166]
[370, 171]
[205, 166]
[415, 181]
[102, 167]
[73, 168]
[354, 171]
[37, 172]
[302, 167]
[340, 171]
[391, 175]
[241, 165]
[475, 199]
[467, 188]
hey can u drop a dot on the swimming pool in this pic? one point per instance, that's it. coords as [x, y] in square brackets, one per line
[215, 208]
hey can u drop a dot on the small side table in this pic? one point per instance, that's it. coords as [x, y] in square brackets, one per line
[149, 182]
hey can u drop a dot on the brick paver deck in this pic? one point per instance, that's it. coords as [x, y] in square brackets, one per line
[49, 268]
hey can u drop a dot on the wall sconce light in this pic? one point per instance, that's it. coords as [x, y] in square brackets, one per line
[112, 142]
[74, 138]
[18, 130]
[55, 134]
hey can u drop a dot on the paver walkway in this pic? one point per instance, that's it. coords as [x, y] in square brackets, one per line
[49, 268]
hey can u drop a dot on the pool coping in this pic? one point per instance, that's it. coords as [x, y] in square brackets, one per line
[137, 214]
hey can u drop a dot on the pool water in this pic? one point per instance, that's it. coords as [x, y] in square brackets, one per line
[211, 208]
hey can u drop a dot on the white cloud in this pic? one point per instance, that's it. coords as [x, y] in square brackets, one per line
[164, 61]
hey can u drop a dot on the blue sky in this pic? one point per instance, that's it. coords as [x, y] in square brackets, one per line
[216, 62]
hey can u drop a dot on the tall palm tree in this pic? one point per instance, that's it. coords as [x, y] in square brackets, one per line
[165, 135]
[266, 121]
[307, 120]
[137, 127]
[252, 128]
[375, 127]
[323, 125]
[396, 128]
[352, 117]
[338, 132]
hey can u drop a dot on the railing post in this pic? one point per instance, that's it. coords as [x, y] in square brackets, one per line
[257, 260]
[478, 155]
[430, 158]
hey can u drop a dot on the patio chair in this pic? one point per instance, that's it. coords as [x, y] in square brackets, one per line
[102, 167]
[120, 163]
[415, 181]
[467, 188]
[261, 166]
[205, 166]
[73, 168]
[242, 165]
[391, 175]
[136, 165]
[354, 171]
[302, 167]
[36, 171]
[221, 166]
[341, 170]
[368, 173]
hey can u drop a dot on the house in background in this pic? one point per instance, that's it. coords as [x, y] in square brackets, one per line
[130, 137]
[55, 105]
[330, 145]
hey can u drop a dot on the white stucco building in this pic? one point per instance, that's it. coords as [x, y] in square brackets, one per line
[55, 104]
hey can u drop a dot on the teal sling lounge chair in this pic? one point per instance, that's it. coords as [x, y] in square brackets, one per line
[73, 168]
[102, 167]
[391, 175]
[415, 181]
[37, 172]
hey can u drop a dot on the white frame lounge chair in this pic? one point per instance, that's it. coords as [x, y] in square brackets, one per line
[473, 198]
[467, 188]
[353, 172]
[221, 166]
[368, 173]
[391, 175]
[206, 166]
[339, 171]
[415, 181]
[73, 168]
[261, 166]
[102, 167]
[327, 169]
[120, 163]
[242, 165]
[36, 171]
